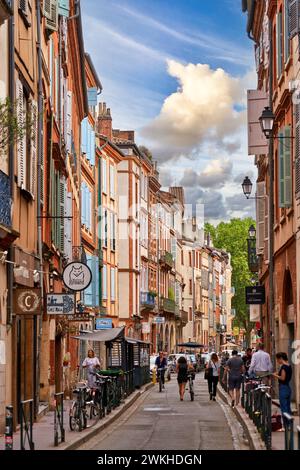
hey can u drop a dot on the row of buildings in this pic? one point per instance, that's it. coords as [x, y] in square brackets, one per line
[273, 25]
[74, 189]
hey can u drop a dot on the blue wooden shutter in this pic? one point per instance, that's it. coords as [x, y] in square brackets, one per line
[112, 284]
[92, 96]
[88, 293]
[93, 147]
[288, 202]
[293, 7]
[64, 7]
[84, 125]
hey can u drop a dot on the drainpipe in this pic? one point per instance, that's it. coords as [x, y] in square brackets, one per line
[11, 162]
[39, 191]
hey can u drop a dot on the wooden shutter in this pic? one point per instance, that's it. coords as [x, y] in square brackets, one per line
[69, 122]
[281, 165]
[104, 282]
[112, 284]
[21, 145]
[293, 22]
[33, 149]
[68, 227]
[64, 8]
[266, 234]
[92, 147]
[104, 175]
[51, 14]
[288, 184]
[279, 43]
[260, 216]
[51, 67]
[297, 150]
[112, 181]
[257, 142]
[84, 130]
[286, 31]
[61, 224]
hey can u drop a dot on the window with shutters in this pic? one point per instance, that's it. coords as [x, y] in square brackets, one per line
[112, 232]
[284, 168]
[112, 284]
[279, 44]
[24, 8]
[105, 228]
[260, 216]
[112, 181]
[104, 176]
[287, 47]
[297, 151]
[64, 8]
[293, 17]
[50, 12]
[104, 282]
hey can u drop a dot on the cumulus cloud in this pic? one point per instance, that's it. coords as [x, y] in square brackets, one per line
[215, 175]
[207, 106]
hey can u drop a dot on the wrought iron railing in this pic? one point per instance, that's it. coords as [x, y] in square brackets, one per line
[26, 424]
[5, 200]
[167, 259]
[167, 305]
[59, 430]
[147, 299]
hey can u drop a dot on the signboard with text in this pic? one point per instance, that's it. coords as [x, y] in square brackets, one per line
[27, 301]
[255, 295]
[103, 323]
[159, 320]
[60, 304]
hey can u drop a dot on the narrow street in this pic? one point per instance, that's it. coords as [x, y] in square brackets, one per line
[160, 421]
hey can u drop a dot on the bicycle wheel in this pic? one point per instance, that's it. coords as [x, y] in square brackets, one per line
[160, 383]
[72, 417]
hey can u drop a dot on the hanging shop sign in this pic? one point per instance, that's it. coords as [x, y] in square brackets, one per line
[145, 328]
[254, 313]
[77, 276]
[27, 301]
[60, 304]
[103, 323]
[159, 320]
[255, 295]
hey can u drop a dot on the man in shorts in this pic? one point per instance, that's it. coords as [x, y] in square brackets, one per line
[235, 369]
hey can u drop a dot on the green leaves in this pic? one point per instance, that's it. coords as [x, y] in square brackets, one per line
[232, 237]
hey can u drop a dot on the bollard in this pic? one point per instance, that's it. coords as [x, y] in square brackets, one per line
[9, 428]
[154, 376]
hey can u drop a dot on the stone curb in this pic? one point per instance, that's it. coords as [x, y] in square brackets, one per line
[253, 436]
[86, 435]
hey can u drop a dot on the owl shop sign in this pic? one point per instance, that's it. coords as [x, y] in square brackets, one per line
[77, 276]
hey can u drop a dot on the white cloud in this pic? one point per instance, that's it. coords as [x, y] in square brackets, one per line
[215, 175]
[204, 108]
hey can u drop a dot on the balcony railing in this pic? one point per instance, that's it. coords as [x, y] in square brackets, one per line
[166, 258]
[177, 311]
[167, 305]
[184, 316]
[147, 300]
[5, 200]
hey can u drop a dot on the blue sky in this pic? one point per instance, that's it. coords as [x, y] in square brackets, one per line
[150, 57]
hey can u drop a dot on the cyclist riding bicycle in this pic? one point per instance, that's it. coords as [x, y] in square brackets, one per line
[161, 365]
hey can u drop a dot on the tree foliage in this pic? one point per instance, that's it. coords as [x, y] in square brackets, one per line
[146, 151]
[232, 237]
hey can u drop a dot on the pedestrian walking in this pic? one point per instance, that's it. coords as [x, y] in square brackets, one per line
[235, 370]
[182, 375]
[213, 366]
[261, 364]
[91, 363]
[284, 377]
[161, 364]
[247, 359]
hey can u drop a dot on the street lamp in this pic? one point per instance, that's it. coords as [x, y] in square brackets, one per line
[267, 122]
[247, 187]
[252, 232]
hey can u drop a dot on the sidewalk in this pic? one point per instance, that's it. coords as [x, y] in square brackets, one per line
[278, 437]
[43, 431]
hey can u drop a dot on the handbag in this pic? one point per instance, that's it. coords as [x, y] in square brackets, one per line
[208, 373]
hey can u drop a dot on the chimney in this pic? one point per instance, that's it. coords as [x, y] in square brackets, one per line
[104, 121]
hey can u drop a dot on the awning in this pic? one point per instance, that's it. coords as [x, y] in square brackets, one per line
[136, 341]
[190, 345]
[102, 335]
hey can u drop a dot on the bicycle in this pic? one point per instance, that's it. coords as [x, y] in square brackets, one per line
[160, 373]
[191, 378]
[97, 409]
[78, 415]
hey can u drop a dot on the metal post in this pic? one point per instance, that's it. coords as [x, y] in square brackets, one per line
[9, 428]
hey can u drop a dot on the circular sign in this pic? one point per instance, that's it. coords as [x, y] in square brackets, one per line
[77, 276]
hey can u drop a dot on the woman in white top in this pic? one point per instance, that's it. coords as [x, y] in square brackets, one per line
[91, 363]
[213, 366]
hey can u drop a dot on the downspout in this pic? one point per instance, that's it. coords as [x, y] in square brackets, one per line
[11, 163]
[39, 187]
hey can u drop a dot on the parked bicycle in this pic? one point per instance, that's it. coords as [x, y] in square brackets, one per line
[78, 412]
[97, 406]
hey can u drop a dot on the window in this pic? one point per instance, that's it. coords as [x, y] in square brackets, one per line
[285, 168]
[104, 221]
[182, 257]
[190, 287]
[104, 175]
[279, 43]
[112, 181]
[112, 231]
[286, 31]
[112, 284]
[190, 314]
[86, 206]
[190, 258]
[104, 282]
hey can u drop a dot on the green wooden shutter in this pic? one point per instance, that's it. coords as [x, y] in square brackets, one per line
[61, 222]
[286, 31]
[279, 43]
[281, 169]
[287, 169]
